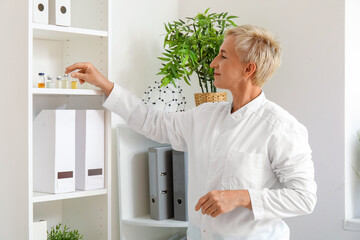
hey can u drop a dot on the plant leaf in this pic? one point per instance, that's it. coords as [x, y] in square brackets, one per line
[164, 59]
[166, 28]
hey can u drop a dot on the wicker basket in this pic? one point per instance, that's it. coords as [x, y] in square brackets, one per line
[209, 97]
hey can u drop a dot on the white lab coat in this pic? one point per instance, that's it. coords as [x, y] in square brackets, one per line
[260, 147]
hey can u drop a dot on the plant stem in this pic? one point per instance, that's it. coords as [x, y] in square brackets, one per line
[200, 82]
[204, 78]
[214, 88]
[206, 86]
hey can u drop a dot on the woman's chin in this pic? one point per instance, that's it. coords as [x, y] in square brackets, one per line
[217, 85]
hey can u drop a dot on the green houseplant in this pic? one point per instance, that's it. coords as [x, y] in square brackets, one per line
[61, 232]
[191, 45]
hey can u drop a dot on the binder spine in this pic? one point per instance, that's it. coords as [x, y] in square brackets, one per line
[160, 183]
[180, 170]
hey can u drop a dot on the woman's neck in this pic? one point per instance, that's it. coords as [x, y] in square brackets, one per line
[241, 98]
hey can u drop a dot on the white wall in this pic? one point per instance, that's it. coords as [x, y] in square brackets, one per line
[310, 84]
[352, 113]
[14, 185]
[137, 28]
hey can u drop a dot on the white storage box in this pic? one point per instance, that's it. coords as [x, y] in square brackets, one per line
[89, 149]
[41, 11]
[40, 230]
[60, 12]
[54, 151]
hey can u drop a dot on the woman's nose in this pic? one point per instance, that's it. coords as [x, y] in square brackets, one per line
[214, 64]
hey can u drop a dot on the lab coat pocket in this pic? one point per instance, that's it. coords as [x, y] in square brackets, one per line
[243, 171]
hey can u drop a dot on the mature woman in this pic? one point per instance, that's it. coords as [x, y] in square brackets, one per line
[249, 162]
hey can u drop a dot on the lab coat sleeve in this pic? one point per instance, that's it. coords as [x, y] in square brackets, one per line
[163, 127]
[291, 161]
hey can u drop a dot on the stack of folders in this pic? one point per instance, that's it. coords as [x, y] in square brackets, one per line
[68, 150]
[168, 183]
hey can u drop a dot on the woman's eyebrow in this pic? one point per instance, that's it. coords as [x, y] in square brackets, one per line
[223, 51]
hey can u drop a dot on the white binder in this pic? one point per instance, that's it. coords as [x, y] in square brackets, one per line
[41, 11]
[54, 151]
[89, 149]
[60, 12]
[39, 230]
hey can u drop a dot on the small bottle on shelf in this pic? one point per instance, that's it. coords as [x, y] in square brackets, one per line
[66, 82]
[58, 83]
[41, 80]
[49, 82]
[73, 83]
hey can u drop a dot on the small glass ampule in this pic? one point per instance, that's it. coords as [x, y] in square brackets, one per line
[66, 82]
[41, 80]
[49, 82]
[73, 83]
[58, 83]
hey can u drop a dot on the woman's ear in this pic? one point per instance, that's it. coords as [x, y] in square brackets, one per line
[249, 70]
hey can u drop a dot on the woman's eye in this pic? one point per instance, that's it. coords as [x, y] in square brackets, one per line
[223, 56]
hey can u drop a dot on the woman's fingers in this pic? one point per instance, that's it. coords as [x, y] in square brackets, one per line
[201, 201]
[204, 208]
[210, 210]
[208, 205]
[82, 66]
[216, 213]
[80, 76]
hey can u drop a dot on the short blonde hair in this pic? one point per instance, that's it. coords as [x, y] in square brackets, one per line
[257, 45]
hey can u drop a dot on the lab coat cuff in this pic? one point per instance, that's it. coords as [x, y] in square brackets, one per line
[121, 102]
[257, 204]
[112, 100]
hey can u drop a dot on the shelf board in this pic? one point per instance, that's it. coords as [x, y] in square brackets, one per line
[52, 32]
[47, 197]
[148, 222]
[352, 224]
[57, 91]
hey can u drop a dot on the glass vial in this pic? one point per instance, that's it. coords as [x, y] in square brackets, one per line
[66, 82]
[58, 83]
[73, 83]
[41, 80]
[49, 82]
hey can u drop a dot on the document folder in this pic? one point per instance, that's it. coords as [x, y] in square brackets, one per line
[180, 182]
[160, 183]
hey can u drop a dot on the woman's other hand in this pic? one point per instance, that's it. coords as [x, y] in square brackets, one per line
[218, 202]
[88, 73]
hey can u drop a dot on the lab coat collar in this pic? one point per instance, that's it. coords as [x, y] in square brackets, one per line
[249, 107]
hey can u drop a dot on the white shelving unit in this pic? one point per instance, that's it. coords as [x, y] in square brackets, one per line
[135, 222]
[75, 92]
[51, 32]
[32, 48]
[146, 221]
[47, 197]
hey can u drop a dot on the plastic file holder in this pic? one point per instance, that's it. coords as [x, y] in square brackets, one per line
[54, 151]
